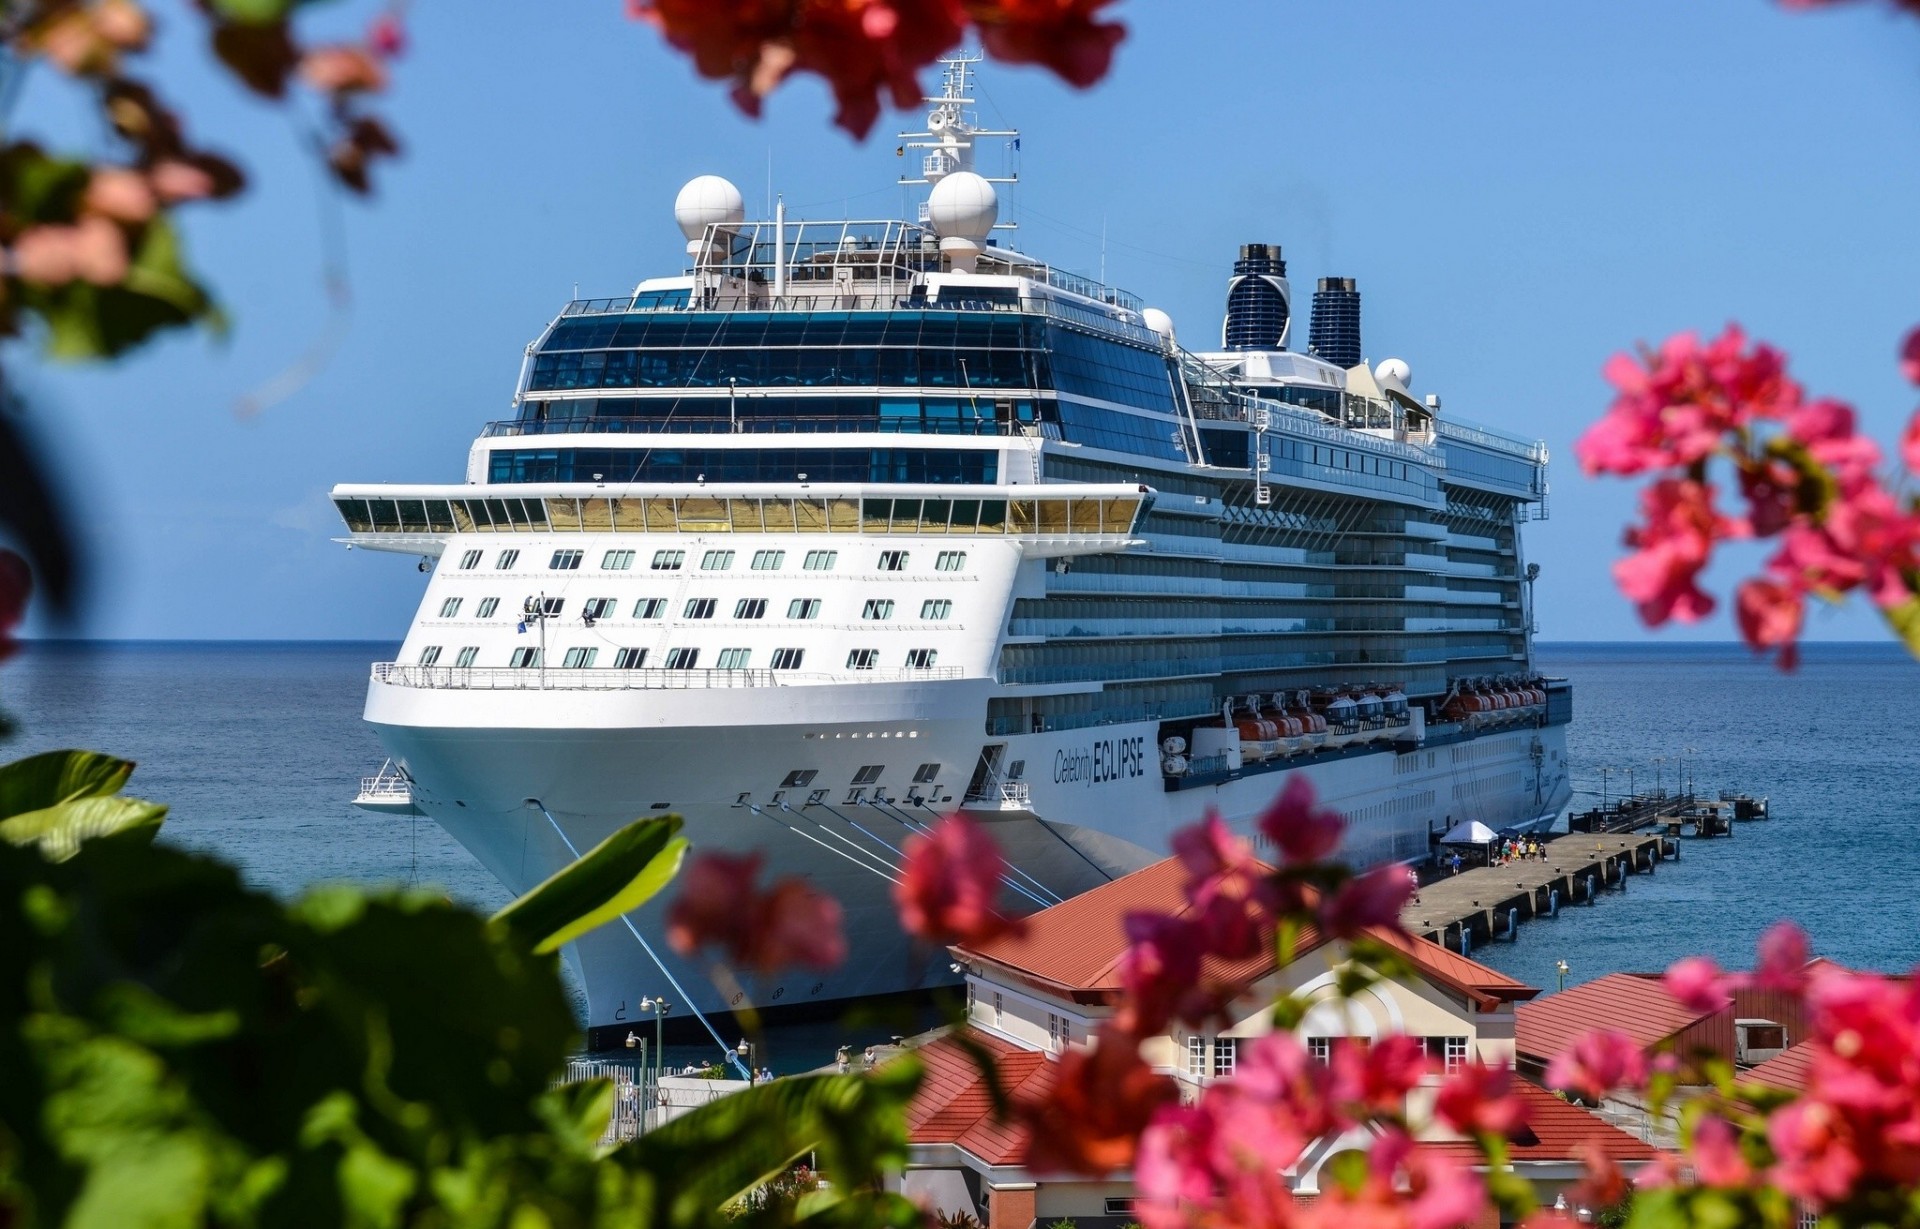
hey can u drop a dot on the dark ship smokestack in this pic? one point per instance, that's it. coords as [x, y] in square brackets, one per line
[1334, 334]
[1259, 302]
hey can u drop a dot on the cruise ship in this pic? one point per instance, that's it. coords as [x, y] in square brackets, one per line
[849, 524]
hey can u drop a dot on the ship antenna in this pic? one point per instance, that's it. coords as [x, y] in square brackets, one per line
[953, 131]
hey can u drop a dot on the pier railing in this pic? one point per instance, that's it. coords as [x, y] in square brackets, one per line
[561, 678]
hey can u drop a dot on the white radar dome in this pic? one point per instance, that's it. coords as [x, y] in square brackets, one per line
[1394, 371]
[963, 206]
[707, 201]
[1158, 321]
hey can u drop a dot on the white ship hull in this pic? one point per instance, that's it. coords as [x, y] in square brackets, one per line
[502, 788]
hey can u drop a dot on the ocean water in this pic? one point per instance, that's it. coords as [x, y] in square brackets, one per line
[259, 748]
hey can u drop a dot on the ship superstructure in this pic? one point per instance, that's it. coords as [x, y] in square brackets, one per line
[850, 524]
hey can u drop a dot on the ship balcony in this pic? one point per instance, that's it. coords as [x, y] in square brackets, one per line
[561, 678]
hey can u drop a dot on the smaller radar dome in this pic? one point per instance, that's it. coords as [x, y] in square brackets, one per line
[1158, 321]
[963, 206]
[707, 201]
[1394, 371]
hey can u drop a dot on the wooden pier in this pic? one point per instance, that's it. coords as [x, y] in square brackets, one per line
[1486, 903]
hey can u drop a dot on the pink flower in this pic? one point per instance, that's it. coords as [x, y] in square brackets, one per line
[1770, 612]
[1910, 357]
[788, 924]
[1910, 440]
[1226, 887]
[1371, 899]
[386, 37]
[1596, 1064]
[1716, 1154]
[1478, 1098]
[1161, 974]
[1816, 1164]
[342, 69]
[1698, 983]
[118, 193]
[1673, 545]
[1101, 1100]
[1784, 953]
[1374, 1080]
[949, 883]
[1675, 406]
[1299, 830]
[16, 586]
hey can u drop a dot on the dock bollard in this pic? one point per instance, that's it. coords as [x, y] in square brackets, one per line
[1590, 888]
[1466, 939]
[1513, 924]
[1553, 902]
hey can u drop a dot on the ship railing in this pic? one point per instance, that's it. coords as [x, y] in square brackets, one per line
[563, 678]
[1007, 794]
[1297, 420]
[717, 425]
[389, 783]
[1499, 441]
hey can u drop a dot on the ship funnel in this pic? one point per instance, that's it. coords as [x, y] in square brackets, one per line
[1334, 333]
[1259, 303]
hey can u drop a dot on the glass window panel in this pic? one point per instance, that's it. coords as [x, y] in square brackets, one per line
[1086, 516]
[906, 516]
[877, 512]
[439, 516]
[843, 515]
[563, 513]
[1022, 518]
[1119, 514]
[462, 516]
[413, 515]
[746, 515]
[993, 515]
[596, 515]
[627, 516]
[660, 517]
[810, 515]
[933, 515]
[778, 514]
[704, 514]
[354, 513]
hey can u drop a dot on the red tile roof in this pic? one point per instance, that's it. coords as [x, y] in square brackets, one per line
[1786, 1070]
[1075, 947]
[1635, 1004]
[1557, 1130]
[953, 1105]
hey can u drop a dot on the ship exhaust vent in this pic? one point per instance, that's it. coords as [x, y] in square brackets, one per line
[1259, 303]
[1334, 334]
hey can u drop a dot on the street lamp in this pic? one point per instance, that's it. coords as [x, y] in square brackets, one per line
[750, 1053]
[1659, 779]
[659, 1008]
[1604, 770]
[1562, 968]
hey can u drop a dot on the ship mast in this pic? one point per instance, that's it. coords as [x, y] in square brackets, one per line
[952, 130]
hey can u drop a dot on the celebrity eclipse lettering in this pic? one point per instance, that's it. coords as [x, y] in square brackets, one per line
[1110, 759]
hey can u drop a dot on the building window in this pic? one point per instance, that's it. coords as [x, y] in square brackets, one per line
[734, 659]
[598, 608]
[1455, 1056]
[1226, 1051]
[682, 659]
[1121, 1206]
[820, 560]
[506, 560]
[1320, 1049]
[698, 608]
[617, 561]
[466, 656]
[804, 608]
[1053, 1030]
[863, 659]
[470, 561]
[487, 606]
[921, 659]
[450, 608]
[750, 608]
[578, 659]
[716, 561]
[936, 608]
[999, 1006]
[650, 608]
[877, 608]
[669, 560]
[893, 561]
[1196, 1056]
[525, 658]
[567, 560]
[925, 773]
[430, 655]
[788, 659]
[950, 561]
[769, 560]
[629, 659]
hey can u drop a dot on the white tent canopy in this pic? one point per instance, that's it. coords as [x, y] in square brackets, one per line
[1470, 832]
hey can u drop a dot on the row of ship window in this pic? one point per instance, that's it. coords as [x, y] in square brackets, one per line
[597, 608]
[570, 560]
[530, 657]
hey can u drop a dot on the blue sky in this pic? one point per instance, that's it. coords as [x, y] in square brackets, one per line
[1521, 190]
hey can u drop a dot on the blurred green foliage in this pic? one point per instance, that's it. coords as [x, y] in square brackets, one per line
[178, 1049]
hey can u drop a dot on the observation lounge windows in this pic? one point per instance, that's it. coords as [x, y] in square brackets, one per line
[686, 465]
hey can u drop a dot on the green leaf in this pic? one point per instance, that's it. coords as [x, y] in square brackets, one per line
[59, 830]
[1904, 619]
[621, 873]
[87, 321]
[707, 1159]
[54, 777]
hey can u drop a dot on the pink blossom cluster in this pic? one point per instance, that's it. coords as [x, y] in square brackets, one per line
[1807, 477]
[789, 922]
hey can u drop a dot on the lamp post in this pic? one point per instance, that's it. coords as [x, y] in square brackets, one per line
[733, 395]
[659, 1008]
[1562, 968]
[1604, 770]
[1659, 778]
[750, 1054]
